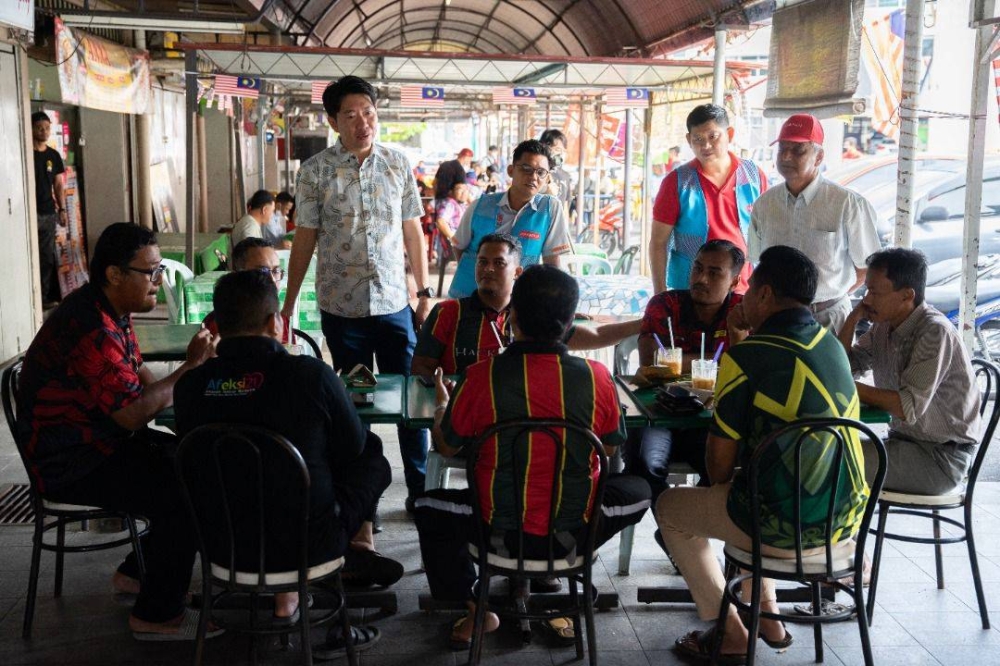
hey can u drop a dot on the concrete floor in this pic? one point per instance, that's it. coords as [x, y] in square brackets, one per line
[915, 623]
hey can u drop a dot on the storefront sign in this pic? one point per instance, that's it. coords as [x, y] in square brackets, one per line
[18, 13]
[99, 74]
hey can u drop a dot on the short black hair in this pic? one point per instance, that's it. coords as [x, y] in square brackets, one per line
[507, 239]
[242, 249]
[344, 86]
[117, 246]
[284, 197]
[493, 148]
[706, 113]
[788, 272]
[904, 268]
[545, 300]
[532, 147]
[550, 136]
[243, 302]
[675, 149]
[39, 116]
[260, 199]
[722, 245]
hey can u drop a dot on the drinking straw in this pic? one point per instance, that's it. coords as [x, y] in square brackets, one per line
[657, 338]
[703, 345]
[718, 352]
[670, 328]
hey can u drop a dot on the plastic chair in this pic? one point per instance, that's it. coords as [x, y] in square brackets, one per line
[56, 515]
[624, 264]
[516, 437]
[581, 264]
[173, 288]
[930, 506]
[837, 561]
[247, 489]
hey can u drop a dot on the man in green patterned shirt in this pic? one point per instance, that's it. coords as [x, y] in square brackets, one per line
[789, 368]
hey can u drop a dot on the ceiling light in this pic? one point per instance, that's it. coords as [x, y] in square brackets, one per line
[129, 22]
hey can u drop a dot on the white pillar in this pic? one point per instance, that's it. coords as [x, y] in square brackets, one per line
[908, 103]
[719, 70]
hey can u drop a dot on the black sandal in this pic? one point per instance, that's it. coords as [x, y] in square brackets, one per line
[785, 642]
[698, 645]
[363, 638]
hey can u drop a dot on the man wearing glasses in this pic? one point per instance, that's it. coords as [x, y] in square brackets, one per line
[711, 197]
[536, 220]
[85, 399]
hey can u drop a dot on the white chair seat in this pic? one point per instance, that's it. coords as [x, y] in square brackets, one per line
[529, 565]
[843, 559]
[279, 577]
[61, 506]
[925, 500]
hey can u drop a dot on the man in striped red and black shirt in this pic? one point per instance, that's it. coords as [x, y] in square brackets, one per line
[534, 378]
[463, 331]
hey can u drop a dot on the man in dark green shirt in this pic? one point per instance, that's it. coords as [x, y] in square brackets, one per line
[789, 368]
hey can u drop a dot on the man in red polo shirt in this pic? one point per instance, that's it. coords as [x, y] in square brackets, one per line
[709, 197]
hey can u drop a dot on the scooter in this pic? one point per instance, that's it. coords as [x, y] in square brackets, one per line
[610, 227]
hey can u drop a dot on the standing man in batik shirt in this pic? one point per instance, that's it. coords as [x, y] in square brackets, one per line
[357, 201]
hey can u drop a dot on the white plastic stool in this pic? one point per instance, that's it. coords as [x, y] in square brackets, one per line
[439, 469]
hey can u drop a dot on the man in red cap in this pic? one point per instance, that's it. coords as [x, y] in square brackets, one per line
[451, 172]
[833, 226]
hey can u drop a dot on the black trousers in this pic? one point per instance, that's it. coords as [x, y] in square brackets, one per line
[445, 527]
[48, 258]
[139, 478]
[649, 452]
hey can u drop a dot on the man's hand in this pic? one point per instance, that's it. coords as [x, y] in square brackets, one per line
[442, 387]
[422, 310]
[201, 348]
[846, 334]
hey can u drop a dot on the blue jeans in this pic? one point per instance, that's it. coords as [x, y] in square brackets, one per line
[390, 339]
[649, 452]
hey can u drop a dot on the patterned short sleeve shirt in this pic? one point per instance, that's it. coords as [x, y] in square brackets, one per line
[359, 211]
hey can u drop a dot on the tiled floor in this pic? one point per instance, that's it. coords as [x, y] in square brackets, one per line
[915, 623]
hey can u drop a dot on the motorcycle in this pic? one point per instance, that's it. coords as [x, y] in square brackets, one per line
[610, 227]
[943, 292]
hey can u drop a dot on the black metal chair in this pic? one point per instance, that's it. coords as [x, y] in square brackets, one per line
[837, 561]
[51, 515]
[930, 506]
[624, 265]
[514, 439]
[248, 492]
[308, 339]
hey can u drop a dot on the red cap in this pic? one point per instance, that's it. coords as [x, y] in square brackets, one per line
[465, 152]
[800, 128]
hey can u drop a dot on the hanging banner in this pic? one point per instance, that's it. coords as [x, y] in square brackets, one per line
[99, 74]
[69, 240]
[18, 13]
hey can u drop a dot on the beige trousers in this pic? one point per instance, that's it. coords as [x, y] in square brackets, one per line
[688, 517]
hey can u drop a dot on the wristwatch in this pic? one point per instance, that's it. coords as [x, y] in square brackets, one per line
[426, 292]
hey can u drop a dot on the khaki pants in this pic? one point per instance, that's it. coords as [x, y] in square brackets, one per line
[688, 518]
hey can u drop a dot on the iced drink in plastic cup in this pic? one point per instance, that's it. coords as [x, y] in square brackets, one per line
[670, 357]
[703, 374]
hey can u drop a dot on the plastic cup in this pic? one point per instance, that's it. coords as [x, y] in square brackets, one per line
[703, 374]
[670, 357]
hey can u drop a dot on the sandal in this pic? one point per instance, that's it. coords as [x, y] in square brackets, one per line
[698, 645]
[780, 644]
[363, 638]
[560, 630]
[187, 630]
[293, 619]
[458, 643]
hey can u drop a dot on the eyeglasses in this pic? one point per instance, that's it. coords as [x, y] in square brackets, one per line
[529, 170]
[277, 274]
[154, 274]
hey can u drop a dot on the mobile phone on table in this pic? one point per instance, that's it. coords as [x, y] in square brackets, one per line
[363, 399]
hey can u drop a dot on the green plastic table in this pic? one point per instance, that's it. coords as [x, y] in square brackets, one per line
[172, 246]
[164, 342]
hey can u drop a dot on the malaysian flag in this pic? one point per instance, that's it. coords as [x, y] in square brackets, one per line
[421, 96]
[318, 88]
[238, 86]
[523, 96]
[627, 97]
[882, 50]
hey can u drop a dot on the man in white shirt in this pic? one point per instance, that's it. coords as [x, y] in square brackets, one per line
[833, 226]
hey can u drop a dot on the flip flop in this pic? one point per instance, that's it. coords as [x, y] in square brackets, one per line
[781, 644]
[698, 645]
[363, 637]
[560, 630]
[458, 644]
[186, 631]
[827, 607]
